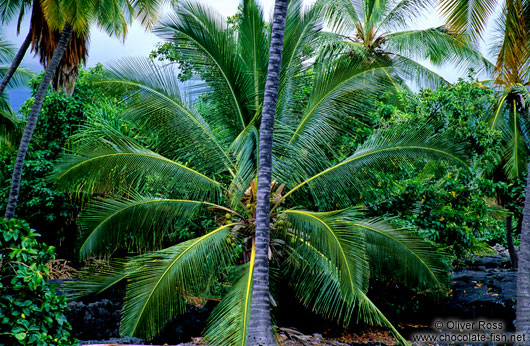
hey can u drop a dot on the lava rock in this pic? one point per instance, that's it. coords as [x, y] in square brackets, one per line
[127, 340]
[486, 289]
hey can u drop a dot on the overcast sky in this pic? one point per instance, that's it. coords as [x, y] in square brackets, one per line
[140, 43]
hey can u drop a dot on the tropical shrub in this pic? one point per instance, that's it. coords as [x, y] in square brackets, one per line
[168, 160]
[40, 203]
[31, 312]
[450, 206]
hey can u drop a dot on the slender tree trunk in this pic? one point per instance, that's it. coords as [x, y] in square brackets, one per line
[32, 120]
[260, 328]
[16, 62]
[523, 275]
[509, 241]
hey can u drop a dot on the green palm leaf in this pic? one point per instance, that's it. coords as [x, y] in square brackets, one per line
[245, 147]
[302, 30]
[438, 46]
[20, 78]
[403, 13]
[467, 16]
[10, 129]
[107, 167]
[254, 42]
[397, 254]
[317, 282]
[330, 234]
[158, 291]
[228, 323]
[206, 41]
[516, 154]
[342, 88]
[383, 149]
[108, 222]
[342, 16]
[408, 69]
[159, 110]
[93, 281]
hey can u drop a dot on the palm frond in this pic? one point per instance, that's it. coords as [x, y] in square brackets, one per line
[6, 48]
[20, 78]
[253, 41]
[383, 150]
[9, 9]
[341, 89]
[398, 254]
[156, 106]
[513, 53]
[468, 16]
[157, 292]
[95, 280]
[245, 147]
[205, 39]
[373, 12]
[108, 222]
[330, 233]
[439, 46]
[403, 13]
[415, 72]
[125, 166]
[317, 283]
[342, 16]
[10, 126]
[516, 154]
[228, 323]
[302, 32]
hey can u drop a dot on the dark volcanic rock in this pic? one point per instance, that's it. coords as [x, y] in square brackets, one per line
[98, 320]
[487, 289]
[127, 340]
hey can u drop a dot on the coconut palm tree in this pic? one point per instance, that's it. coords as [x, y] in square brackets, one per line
[9, 123]
[70, 17]
[511, 48]
[166, 161]
[383, 30]
[260, 328]
[44, 40]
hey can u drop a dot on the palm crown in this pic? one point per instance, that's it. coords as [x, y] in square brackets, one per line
[167, 161]
[384, 30]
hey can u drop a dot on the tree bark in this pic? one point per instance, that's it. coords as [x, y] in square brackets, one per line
[32, 120]
[509, 241]
[260, 328]
[16, 62]
[523, 275]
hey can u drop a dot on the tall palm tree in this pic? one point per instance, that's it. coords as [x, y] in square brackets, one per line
[511, 47]
[166, 161]
[44, 40]
[260, 328]
[383, 30]
[70, 17]
[9, 123]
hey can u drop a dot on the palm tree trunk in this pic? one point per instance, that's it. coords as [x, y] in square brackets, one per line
[32, 119]
[16, 62]
[260, 328]
[509, 241]
[523, 275]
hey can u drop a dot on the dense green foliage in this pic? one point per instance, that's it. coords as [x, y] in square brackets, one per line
[31, 312]
[45, 208]
[451, 206]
